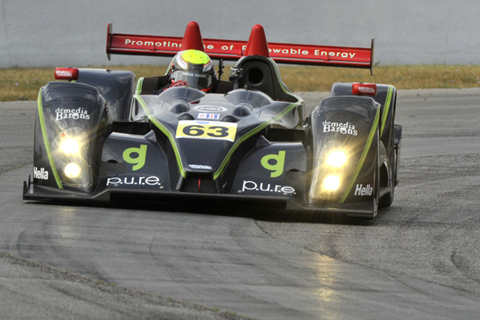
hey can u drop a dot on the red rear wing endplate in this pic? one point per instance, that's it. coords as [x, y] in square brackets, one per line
[132, 44]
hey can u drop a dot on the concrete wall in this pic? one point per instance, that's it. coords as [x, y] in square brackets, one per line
[36, 33]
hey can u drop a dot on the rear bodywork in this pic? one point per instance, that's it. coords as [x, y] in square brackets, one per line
[104, 136]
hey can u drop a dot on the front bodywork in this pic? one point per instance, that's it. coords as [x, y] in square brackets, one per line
[238, 146]
[96, 141]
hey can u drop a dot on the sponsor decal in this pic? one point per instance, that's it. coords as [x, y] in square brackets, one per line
[148, 43]
[134, 181]
[361, 190]
[275, 49]
[199, 167]
[40, 174]
[365, 89]
[249, 185]
[274, 163]
[343, 128]
[325, 53]
[212, 116]
[210, 109]
[173, 44]
[291, 51]
[206, 130]
[64, 73]
[193, 75]
[75, 114]
[138, 160]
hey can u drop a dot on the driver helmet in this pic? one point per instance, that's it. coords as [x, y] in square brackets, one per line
[193, 68]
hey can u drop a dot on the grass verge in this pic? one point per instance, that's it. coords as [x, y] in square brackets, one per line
[23, 83]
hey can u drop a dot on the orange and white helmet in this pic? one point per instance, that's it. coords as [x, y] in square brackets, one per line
[193, 67]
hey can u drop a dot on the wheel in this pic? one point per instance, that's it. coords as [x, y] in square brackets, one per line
[387, 200]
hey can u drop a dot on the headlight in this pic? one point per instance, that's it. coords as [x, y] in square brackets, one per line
[331, 171]
[331, 183]
[70, 146]
[336, 158]
[71, 154]
[72, 170]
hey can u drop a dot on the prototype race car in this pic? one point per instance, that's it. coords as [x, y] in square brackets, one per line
[101, 137]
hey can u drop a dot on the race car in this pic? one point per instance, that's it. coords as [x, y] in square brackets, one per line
[103, 137]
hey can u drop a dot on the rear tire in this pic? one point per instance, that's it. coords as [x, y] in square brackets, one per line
[376, 196]
[387, 200]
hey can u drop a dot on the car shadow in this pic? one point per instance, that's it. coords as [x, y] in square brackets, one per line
[249, 211]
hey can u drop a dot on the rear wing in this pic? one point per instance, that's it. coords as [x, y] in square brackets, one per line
[303, 54]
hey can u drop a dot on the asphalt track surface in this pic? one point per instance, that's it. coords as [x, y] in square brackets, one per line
[419, 259]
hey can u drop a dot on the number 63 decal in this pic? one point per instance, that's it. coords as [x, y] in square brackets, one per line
[206, 130]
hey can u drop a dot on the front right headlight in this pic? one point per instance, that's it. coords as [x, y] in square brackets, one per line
[331, 183]
[332, 167]
[72, 155]
[336, 158]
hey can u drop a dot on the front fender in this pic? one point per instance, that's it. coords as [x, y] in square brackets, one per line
[71, 122]
[344, 139]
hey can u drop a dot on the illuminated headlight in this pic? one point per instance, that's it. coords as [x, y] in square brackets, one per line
[331, 183]
[70, 146]
[72, 157]
[72, 170]
[336, 158]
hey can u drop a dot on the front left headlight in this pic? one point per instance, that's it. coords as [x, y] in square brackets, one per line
[336, 158]
[331, 183]
[330, 172]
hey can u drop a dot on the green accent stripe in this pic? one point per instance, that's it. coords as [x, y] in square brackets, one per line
[45, 140]
[257, 129]
[138, 90]
[386, 108]
[367, 147]
[162, 128]
[262, 126]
